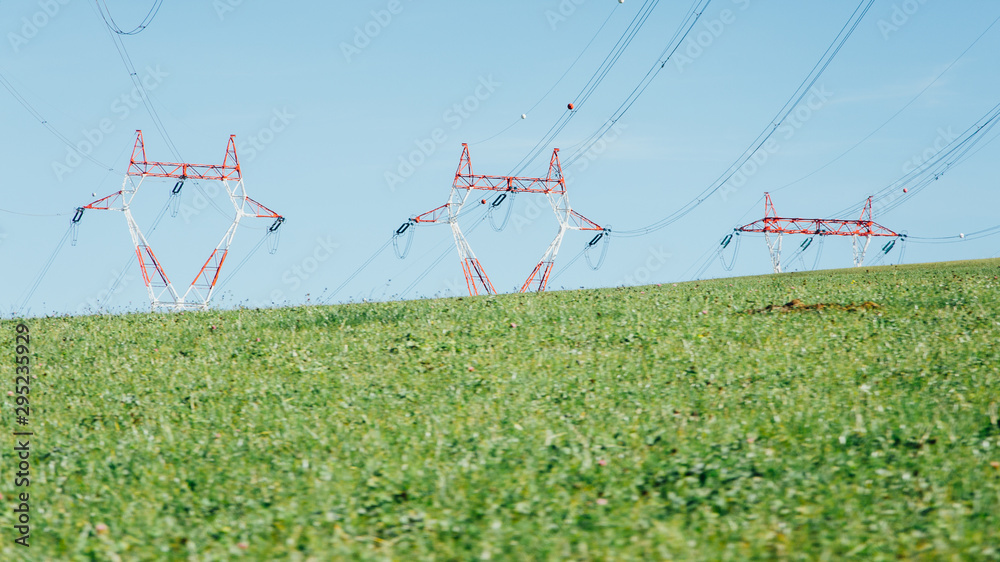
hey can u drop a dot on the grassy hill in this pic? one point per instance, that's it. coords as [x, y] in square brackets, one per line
[651, 422]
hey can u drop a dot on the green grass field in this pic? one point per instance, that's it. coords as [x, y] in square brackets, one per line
[640, 423]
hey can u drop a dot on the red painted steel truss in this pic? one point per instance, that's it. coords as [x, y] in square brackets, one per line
[553, 186]
[772, 224]
[162, 293]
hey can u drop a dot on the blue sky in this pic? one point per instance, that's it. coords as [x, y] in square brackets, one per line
[327, 98]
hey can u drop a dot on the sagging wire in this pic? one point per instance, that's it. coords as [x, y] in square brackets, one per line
[801, 251]
[112, 26]
[735, 235]
[243, 262]
[74, 225]
[604, 235]
[773, 125]
[887, 248]
[406, 230]
[895, 115]
[273, 235]
[378, 252]
[147, 102]
[819, 253]
[592, 84]
[933, 168]
[175, 198]
[676, 41]
[271, 238]
[9, 86]
[497, 201]
[45, 269]
[559, 81]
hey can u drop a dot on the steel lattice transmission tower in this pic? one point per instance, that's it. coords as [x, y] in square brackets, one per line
[162, 293]
[553, 186]
[773, 225]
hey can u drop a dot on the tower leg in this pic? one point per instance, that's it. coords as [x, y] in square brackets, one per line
[774, 246]
[860, 250]
[475, 276]
[152, 272]
[204, 283]
[539, 278]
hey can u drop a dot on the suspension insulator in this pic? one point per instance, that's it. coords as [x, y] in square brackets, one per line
[806, 243]
[888, 246]
[499, 200]
[78, 215]
[277, 224]
[725, 241]
[404, 228]
[596, 239]
[177, 187]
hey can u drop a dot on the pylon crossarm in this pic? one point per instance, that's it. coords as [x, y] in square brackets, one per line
[439, 214]
[140, 166]
[465, 179]
[580, 222]
[259, 211]
[819, 227]
[113, 202]
[510, 183]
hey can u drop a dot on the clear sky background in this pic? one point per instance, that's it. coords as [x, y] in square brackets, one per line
[324, 109]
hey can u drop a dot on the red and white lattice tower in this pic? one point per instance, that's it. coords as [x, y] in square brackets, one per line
[773, 225]
[162, 293]
[553, 186]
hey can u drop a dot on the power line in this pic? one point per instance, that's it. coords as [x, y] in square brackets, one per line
[110, 21]
[956, 152]
[150, 109]
[557, 82]
[45, 123]
[591, 85]
[687, 25]
[33, 214]
[800, 93]
[45, 269]
[895, 115]
[358, 271]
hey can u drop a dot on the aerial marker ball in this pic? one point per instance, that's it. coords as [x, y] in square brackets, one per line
[961, 235]
[524, 116]
[483, 201]
[571, 107]
[906, 190]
